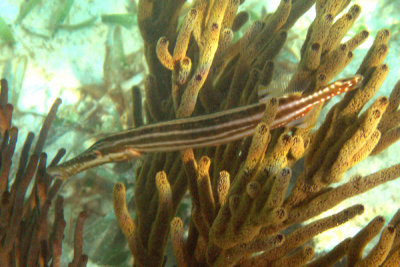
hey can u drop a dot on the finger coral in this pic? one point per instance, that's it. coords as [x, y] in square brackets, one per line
[26, 236]
[246, 203]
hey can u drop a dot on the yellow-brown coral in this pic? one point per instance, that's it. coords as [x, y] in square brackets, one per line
[242, 202]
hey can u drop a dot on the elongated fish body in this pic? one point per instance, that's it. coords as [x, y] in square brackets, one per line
[195, 132]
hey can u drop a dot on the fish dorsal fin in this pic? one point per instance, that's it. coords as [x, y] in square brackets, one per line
[280, 87]
[276, 88]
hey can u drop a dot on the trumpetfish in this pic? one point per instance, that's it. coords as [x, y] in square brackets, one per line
[199, 131]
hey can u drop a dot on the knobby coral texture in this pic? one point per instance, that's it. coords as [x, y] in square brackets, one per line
[247, 209]
[27, 237]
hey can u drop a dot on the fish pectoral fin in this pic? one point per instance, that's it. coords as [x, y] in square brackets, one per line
[133, 153]
[56, 172]
[306, 121]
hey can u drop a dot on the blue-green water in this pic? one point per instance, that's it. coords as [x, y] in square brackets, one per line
[45, 63]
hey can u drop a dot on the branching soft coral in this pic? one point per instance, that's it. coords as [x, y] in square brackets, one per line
[26, 239]
[241, 205]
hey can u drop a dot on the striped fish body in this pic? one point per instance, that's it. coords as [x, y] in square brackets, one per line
[195, 132]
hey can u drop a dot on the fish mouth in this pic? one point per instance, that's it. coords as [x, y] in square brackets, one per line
[89, 160]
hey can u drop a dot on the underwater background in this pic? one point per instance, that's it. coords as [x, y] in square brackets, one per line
[90, 54]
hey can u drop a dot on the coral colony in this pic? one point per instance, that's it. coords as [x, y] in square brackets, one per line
[26, 237]
[240, 204]
[248, 207]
